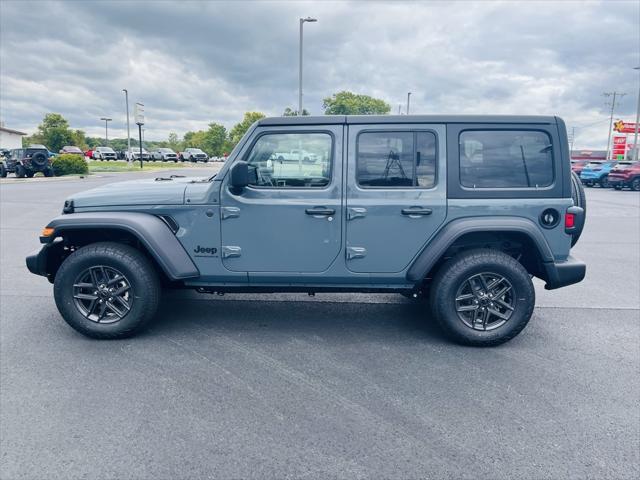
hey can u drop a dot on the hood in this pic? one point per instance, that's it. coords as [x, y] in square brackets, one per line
[167, 191]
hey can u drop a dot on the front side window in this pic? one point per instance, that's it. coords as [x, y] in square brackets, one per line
[396, 159]
[281, 160]
[505, 159]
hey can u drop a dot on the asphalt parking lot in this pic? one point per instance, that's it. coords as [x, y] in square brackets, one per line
[335, 386]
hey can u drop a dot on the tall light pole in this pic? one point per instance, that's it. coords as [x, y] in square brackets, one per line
[636, 148]
[106, 130]
[126, 101]
[613, 106]
[302, 21]
[408, 101]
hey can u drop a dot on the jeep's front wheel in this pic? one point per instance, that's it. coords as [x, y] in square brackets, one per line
[482, 297]
[3, 171]
[107, 290]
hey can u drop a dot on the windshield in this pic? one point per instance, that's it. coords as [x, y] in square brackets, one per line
[623, 165]
[165, 150]
[72, 149]
[105, 149]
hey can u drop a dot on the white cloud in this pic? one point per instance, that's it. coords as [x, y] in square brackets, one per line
[197, 62]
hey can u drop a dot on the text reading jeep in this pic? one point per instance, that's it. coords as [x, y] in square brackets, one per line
[460, 210]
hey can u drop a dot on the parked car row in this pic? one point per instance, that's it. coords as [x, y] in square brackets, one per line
[161, 154]
[607, 174]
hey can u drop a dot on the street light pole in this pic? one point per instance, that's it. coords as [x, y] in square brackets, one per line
[302, 20]
[126, 100]
[106, 130]
[408, 101]
[636, 148]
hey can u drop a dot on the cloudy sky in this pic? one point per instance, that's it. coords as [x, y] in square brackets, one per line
[194, 63]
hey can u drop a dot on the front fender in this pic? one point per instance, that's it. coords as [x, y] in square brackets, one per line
[150, 230]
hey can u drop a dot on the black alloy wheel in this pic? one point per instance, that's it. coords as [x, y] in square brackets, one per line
[102, 294]
[485, 301]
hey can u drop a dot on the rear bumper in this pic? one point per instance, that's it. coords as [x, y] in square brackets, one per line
[613, 181]
[561, 274]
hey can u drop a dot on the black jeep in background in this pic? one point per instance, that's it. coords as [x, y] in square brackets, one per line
[26, 162]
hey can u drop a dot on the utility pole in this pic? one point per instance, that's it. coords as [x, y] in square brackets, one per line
[408, 101]
[399, 109]
[572, 139]
[636, 148]
[613, 106]
[126, 101]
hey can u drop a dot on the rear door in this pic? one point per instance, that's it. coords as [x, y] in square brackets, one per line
[396, 195]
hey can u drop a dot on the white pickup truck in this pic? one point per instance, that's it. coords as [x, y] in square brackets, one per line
[295, 156]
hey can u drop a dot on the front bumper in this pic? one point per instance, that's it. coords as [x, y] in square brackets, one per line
[561, 274]
[613, 181]
[38, 262]
[590, 177]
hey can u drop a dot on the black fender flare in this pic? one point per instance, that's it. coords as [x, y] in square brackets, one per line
[150, 230]
[453, 230]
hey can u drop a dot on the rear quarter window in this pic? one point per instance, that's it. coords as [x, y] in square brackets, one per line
[505, 159]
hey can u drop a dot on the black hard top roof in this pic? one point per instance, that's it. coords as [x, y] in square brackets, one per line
[399, 119]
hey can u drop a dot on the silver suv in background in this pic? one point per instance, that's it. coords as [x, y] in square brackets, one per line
[104, 153]
[164, 154]
[193, 155]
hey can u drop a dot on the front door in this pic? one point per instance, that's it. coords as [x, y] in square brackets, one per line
[396, 198]
[289, 218]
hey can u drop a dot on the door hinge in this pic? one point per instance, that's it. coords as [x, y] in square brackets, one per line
[229, 212]
[356, 212]
[356, 252]
[229, 251]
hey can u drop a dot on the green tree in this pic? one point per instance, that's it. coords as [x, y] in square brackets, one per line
[173, 141]
[53, 132]
[215, 139]
[289, 112]
[241, 128]
[349, 103]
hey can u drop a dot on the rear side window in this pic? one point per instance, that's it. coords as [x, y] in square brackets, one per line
[505, 159]
[396, 159]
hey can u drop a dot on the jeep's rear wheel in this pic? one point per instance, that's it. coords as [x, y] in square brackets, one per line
[20, 171]
[48, 172]
[107, 290]
[30, 173]
[482, 297]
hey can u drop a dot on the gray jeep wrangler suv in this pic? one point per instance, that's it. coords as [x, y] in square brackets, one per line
[459, 210]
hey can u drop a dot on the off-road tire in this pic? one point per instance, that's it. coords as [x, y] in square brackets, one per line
[3, 171]
[456, 271]
[20, 171]
[137, 269]
[579, 200]
[48, 172]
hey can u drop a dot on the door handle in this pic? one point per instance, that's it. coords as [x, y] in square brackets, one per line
[416, 211]
[320, 211]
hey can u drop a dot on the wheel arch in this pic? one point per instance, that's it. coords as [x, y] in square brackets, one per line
[147, 232]
[509, 234]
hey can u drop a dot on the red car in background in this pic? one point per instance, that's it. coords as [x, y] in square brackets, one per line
[89, 153]
[578, 165]
[625, 175]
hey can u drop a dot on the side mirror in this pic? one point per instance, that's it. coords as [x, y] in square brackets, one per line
[239, 175]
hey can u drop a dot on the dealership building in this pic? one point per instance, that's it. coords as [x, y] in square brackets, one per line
[10, 138]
